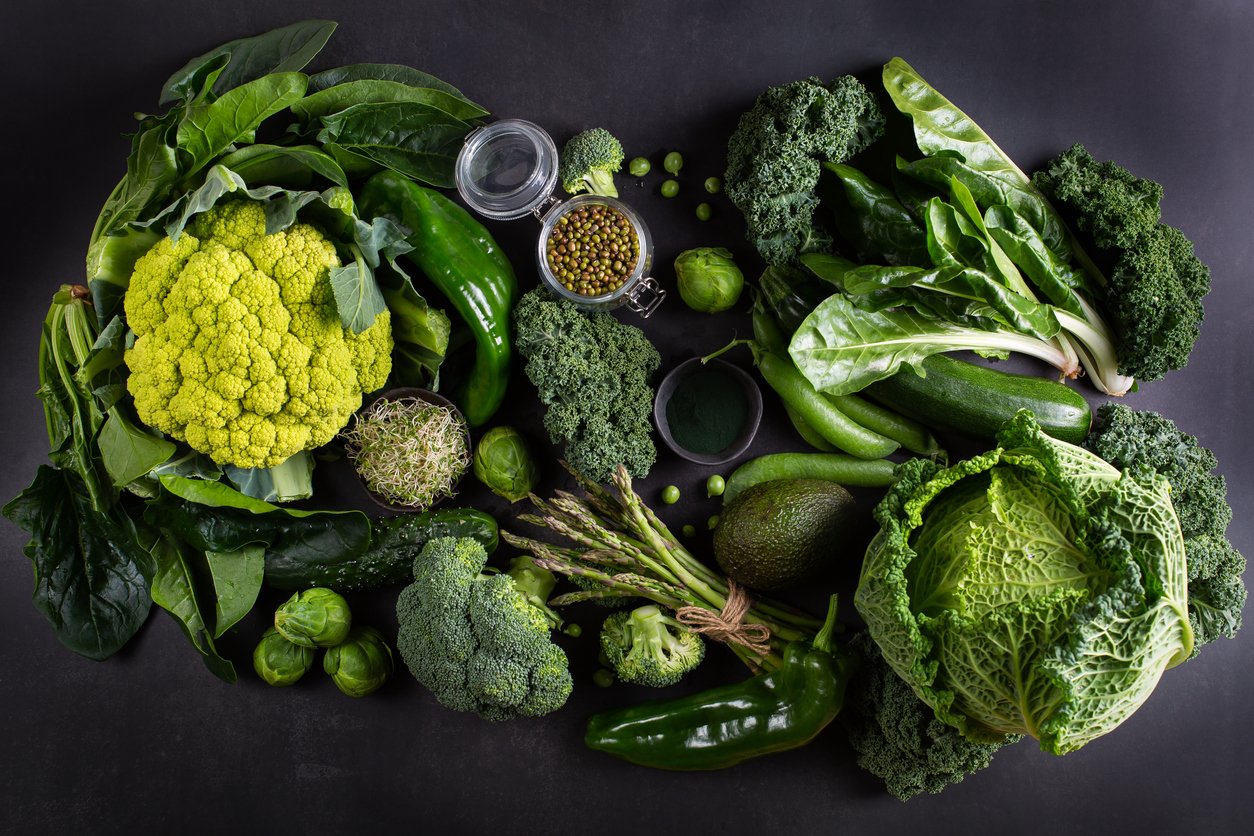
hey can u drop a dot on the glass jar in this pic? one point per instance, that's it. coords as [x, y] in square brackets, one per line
[508, 169]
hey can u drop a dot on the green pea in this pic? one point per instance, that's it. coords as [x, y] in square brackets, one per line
[604, 678]
[690, 531]
[704, 211]
[639, 166]
[715, 485]
[670, 494]
[713, 185]
[673, 162]
[670, 188]
[712, 522]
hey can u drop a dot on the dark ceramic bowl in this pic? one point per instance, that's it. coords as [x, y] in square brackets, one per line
[422, 395]
[753, 413]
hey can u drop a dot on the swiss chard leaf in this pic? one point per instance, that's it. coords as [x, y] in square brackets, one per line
[286, 49]
[1057, 280]
[877, 224]
[413, 139]
[91, 574]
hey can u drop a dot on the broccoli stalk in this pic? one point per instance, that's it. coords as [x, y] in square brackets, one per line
[647, 647]
[588, 162]
[536, 585]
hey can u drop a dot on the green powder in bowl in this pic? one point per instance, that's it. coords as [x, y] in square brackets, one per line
[706, 413]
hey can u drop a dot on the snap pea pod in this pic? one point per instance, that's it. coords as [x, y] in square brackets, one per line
[807, 433]
[842, 469]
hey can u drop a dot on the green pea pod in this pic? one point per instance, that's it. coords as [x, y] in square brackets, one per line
[770, 712]
[458, 255]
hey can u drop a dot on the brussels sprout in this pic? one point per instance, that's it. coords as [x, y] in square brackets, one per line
[278, 661]
[504, 463]
[315, 617]
[361, 664]
[709, 281]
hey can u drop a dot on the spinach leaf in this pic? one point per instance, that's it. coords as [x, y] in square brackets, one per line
[286, 49]
[207, 130]
[236, 584]
[288, 166]
[369, 91]
[380, 72]
[91, 573]
[877, 223]
[174, 590]
[413, 139]
[129, 452]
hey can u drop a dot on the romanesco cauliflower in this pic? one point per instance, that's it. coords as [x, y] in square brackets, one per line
[239, 349]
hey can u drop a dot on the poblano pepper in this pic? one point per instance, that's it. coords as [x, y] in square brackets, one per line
[770, 712]
[458, 255]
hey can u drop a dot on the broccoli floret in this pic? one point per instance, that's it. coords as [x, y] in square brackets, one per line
[592, 373]
[1146, 441]
[774, 157]
[588, 162]
[898, 737]
[475, 640]
[1153, 292]
[536, 584]
[646, 647]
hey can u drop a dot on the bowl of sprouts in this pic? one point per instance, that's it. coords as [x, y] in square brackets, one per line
[409, 448]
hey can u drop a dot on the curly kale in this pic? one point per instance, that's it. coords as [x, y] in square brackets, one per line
[774, 159]
[592, 373]
[897, 736]
[1146, 441]
[1154, 290]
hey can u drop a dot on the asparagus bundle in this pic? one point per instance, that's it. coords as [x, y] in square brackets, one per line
[619, 545]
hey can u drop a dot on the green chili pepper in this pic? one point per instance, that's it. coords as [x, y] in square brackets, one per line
[457, 254]
[771, 712]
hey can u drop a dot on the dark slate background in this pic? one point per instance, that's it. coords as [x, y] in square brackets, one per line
[151, 741]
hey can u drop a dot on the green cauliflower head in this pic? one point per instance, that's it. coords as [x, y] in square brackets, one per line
[239, 349]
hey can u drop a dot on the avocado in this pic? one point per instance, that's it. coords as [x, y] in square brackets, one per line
[776, 535]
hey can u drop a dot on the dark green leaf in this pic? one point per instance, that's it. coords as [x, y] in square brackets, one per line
[416, 140]
[91, 574]
[343, 96]
[286, 49]
[420, 333]
[876, 223]
[207, 130]
[379, 72]
[1054, 277]
[174, 590]
[128, 452]
[291, 167]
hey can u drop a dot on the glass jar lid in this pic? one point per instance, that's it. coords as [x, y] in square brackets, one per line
[506, 169]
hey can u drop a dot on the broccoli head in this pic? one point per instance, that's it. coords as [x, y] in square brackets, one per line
[475, 640]
[588, 163]
[1143, 441]
[774, 159]
[1154, 288]
[592, 374]
[646, 647]
[898, 737]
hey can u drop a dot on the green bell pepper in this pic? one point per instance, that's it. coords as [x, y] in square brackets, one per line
[458, 255]
[770, 712]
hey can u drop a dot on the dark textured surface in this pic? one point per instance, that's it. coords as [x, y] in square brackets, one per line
[151, 741]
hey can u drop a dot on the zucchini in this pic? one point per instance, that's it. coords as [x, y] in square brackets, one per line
[977, 400]
[389, 559]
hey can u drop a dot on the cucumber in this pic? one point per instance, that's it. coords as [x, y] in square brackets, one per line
[389, 559]
[977, 400]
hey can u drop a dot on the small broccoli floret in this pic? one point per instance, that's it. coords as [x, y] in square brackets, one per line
[592, 373]
[475, 640]
[1146, 441]
[1155, 284]
[897, 736]
[774, 157]
[588, 163]
[646, 647]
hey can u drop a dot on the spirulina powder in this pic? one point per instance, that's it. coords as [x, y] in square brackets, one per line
[707, 411]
